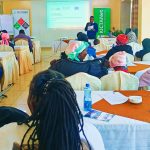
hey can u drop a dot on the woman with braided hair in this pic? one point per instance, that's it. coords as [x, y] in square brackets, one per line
[56, 122]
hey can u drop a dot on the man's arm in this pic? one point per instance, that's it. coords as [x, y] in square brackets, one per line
[30, 45]
[96, 27]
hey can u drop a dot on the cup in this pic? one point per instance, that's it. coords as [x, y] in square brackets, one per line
[135, 99]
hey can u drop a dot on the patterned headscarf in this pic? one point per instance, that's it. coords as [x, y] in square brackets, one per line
[5, 39]
[75, 48]
[132, 37]
[118, 59]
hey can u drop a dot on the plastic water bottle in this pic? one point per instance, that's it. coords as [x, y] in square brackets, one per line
[87, 98]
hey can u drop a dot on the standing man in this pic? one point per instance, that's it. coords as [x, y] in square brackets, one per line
[91, 28]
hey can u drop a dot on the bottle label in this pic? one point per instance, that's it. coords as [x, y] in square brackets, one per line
[87, 105]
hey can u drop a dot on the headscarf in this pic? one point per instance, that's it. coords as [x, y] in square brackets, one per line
[146, 44]
[5, 39]
[75, 48]
[145, 79]
[122, 39]
[118, 59]
[132, 37]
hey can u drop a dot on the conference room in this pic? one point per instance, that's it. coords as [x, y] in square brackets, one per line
[74, 75]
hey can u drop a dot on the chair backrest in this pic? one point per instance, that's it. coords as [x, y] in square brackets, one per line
[145, 79]
[119, 80]
[21, 41]
[5, 48]
[135, 47]
[146, 57]
[79, 80]
[130, 57]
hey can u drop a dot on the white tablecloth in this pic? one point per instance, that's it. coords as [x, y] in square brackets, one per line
[24, 59]
[36, 51]
[120, 133]
[10, 69]
[107, 43]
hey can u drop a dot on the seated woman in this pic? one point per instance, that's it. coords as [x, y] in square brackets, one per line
[91, 51]
[146, 49]
[56, 122]
[5, 39]
[121, 42]
[72, 62]
[131, 36]
[118, 61]
[133, 41]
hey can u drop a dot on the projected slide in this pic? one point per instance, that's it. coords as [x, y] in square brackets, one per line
[67, 14]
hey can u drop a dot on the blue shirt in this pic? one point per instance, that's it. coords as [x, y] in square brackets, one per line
[91, 51]
[91, 33]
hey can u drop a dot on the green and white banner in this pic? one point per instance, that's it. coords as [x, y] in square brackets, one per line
[102, 16]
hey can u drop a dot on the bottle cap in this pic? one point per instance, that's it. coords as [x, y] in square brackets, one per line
[87, 85]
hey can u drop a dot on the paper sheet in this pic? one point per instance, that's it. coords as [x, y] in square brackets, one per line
[114, 97]
[99, 115]
[90, 27]
[130, 64]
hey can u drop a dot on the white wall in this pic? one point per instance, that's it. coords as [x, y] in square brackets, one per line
[40, 30]
[125, 15]
[144, 21]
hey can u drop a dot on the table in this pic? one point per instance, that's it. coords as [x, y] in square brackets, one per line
[67, 40]
[107, 43]
[138, 67]
[36, 51]
[10, 69]
[103, 52]
[60, 45]
[120, 133]
[24, 59]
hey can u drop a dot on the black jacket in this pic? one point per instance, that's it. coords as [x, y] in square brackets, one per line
[68, 67]
[113, 50]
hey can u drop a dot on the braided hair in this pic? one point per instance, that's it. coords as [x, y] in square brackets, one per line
[57, 121]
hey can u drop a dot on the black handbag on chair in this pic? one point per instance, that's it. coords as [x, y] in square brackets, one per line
[11, 114]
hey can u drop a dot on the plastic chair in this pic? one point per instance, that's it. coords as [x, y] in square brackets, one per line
[119, 80]
[92, 133]
[21, 42]
[24, 42]
[79, 80]
[130, 57]
[146, 57]
[144, 79]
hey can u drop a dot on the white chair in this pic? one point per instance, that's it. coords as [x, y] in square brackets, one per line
[130, 57]
[79, 80]
[135, 47]
[146, 57]
[119, 80]
[5, 48]
[93, 136]
[144, 79]
[21, 42]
